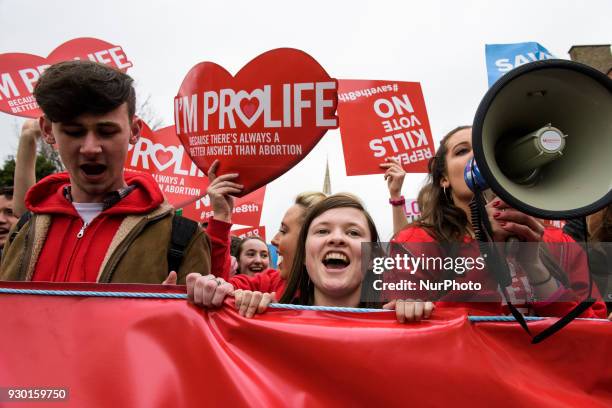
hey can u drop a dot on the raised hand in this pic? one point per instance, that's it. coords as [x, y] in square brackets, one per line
[219, 191]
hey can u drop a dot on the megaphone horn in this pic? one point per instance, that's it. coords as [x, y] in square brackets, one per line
[542, 139]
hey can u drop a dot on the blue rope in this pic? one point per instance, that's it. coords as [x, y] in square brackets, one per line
[151, 295]
[326, 308]
[93, 293]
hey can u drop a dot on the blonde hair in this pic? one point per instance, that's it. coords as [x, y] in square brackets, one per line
[308, 199]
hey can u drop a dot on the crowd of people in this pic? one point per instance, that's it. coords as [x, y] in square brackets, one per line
[96, 223]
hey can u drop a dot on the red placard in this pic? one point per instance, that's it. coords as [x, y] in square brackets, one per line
[380, 119]
[250, 232]
[247, 209]
[262, 121]
[412, 210]
[161, 154]
[19, 72]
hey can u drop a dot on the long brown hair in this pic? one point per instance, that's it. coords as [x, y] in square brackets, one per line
[300, 288]
[600, 225]
[446, 222]
[439, 216]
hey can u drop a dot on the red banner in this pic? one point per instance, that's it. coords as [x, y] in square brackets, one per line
[250, 232]
[113, 352]
[161, 154]
[380, 119]
[19, 72]
[260, 122]
[247, 209]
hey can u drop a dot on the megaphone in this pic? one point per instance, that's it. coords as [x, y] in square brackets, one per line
[542, 140]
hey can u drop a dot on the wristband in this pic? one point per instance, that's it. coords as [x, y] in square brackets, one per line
[397, 202]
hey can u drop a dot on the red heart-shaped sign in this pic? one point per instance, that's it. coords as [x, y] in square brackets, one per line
[161, 154]
[19, 72]
[262, 121]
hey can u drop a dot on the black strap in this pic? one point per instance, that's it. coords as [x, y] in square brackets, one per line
[580, 307]
[22, 221]
[564, 321]
[183, 230]
[496, 264]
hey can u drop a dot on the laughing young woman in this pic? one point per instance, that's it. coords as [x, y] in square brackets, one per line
[210, 291]
[327, 265]
[253, 256]
[542, 272]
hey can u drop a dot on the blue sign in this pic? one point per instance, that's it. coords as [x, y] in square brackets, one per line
[502, 58]
[273, 256]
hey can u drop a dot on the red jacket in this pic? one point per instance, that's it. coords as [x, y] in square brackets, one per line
[66, 257]
[219, 234]
[573, 261]
[268, 281]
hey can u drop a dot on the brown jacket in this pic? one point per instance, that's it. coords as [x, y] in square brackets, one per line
[137, 254]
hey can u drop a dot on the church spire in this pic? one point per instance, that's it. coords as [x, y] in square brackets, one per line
[327, 181]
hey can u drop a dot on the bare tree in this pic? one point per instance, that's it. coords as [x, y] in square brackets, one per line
[146, 112]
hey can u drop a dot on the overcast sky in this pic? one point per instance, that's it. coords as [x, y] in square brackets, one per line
[439, 44]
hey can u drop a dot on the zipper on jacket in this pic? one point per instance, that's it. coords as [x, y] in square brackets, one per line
[75, 250]
[82, 231]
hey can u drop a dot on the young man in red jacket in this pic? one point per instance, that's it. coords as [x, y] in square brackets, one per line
[95, 222]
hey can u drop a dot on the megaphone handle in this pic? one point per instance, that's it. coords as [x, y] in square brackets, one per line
[482, 230]
[511, 246]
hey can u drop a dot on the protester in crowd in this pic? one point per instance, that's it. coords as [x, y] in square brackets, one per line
[94, 223]
[25, 164]
[7, 214]
[445, 215]
[208, 291]
[600, 255]
[253, 256]
[599, 226]
[327, 268]
[598, 230]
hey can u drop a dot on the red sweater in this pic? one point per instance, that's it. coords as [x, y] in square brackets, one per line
[268, 281]
[573, 261]
[219, 234]
[66, 257]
